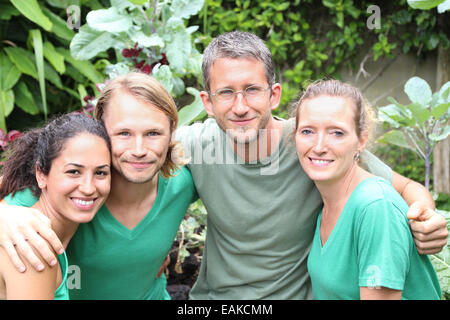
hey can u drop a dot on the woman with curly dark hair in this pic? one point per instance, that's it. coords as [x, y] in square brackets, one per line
[67, 165]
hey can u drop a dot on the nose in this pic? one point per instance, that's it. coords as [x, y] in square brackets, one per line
[87, 185]
[240, 106]
[138, 150]
[320, 145]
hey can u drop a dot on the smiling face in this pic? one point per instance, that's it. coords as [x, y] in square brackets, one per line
[241, 119]
[79, 179]
[140, 137]
[326, 137]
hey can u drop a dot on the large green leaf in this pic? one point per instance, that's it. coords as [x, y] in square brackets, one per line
[396, 137]
[32, 10]
[418, 91]
[424, 4]
[440, 109]
[39, 55]
[193, 111]
[23, 60]
[7, 11]
[24, 99]
[147, 41]
[139, 2]
[82, 66]
[88, 42]
[445, 133]
[184, 9]
[55, 58]
[109, 20]
[444, 92]
[420, 112]
[178, 51]
[7, 101]
[444, 6]
[59, 26]
[9, 73]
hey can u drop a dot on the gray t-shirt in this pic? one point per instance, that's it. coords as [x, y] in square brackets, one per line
[261, 216]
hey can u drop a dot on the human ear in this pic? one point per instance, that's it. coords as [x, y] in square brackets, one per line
[275, 96]
[41, 178]
[364, 136]
[207, 103]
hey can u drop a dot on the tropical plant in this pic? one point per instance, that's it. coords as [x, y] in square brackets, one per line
[37, 72]
[150, 36]
[420, 125]
[311, 40]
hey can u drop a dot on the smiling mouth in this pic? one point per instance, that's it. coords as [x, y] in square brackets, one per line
[139, 165]
[320, 162]
[83, 204]
[241, 122]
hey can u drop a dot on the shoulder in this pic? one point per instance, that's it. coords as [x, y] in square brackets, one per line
[180, 181]
[375, 199]
[24, 198]
[30, 284]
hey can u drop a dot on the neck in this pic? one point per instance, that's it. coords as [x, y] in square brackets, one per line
[267, 140]
[63, 228]
[126, 192]
[335, 193]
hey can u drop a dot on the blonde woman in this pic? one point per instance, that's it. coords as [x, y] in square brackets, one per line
[362, 247]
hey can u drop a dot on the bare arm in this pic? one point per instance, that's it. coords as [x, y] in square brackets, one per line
[29, 285]
[22, 229]
[429, 229]
[381, 293]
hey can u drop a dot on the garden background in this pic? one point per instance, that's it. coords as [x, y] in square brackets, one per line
[55, 56]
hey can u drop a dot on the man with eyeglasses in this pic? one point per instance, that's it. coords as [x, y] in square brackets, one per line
[261, 205]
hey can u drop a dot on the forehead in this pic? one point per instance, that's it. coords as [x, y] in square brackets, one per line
[124, 109]
[85, 148]
[327, 109]
[236, 72]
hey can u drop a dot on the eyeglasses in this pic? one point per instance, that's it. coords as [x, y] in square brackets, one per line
[252, 94]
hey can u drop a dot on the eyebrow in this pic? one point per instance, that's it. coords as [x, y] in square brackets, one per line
[81, 166]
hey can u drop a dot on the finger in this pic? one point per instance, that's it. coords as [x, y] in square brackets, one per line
[25, 250]
[41, 246]
[435, 225]
[47, 233]
[42, 217]
[431, 247]
[419, 211]
[13, 256]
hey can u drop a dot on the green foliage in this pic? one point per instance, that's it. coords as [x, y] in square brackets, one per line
[192, 233]
[311, 39]
[420, 125]
[37, 73]
[148, 35]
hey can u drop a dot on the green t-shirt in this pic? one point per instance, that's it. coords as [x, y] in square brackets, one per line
[62, 292]
[110, 261]
[261, 216]
[371, 246]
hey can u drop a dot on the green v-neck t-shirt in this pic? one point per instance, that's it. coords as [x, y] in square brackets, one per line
[371, 246]
[109, 261]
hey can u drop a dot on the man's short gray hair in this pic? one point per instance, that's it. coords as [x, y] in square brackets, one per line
[235, 45]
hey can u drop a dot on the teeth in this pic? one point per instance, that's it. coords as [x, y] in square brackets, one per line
[83, 203]
[321, 161]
